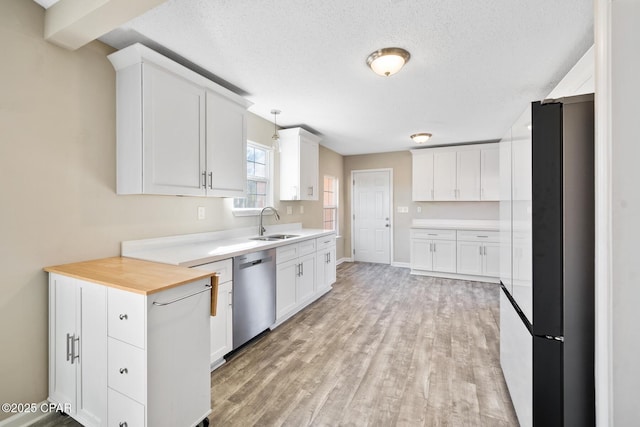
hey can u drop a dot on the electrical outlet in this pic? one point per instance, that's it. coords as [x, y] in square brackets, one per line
[202, 214]
[419, 209]
[289, 210]
[301, 209]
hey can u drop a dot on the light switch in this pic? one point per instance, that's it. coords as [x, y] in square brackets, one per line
[301, 209]
[289, 210]
[419, 209]
[201, 212]
[403, 209]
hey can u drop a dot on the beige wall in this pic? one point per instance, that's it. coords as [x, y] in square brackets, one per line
[57, 185]
[400, 162]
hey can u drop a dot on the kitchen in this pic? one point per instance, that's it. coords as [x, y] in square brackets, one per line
[59, 189]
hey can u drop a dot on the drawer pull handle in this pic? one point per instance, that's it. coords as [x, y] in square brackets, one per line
[124, 371]
[483, 236]
[123, 424]
[161, 304]
[123, 317]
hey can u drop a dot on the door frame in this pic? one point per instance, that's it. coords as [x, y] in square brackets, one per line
[391, 218]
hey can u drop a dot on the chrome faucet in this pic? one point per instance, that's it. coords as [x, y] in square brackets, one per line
[261, 230]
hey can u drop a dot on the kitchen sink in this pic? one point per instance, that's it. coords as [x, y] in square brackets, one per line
[274, 237]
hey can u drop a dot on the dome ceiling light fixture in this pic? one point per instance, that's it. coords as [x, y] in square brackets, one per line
[420, 138]
[388, 61]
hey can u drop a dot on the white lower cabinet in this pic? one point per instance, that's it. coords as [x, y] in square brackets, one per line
[325, 262]
[465, 254]
[78, 348]
[222, 323]
[433, 250]
[295, 277]
[478, 253]
[304, 272]
[127, 359]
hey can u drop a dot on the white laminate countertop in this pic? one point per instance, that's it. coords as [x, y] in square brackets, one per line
[457, 224]
[196, 249]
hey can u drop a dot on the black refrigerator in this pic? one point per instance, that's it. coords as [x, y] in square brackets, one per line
[560, 302]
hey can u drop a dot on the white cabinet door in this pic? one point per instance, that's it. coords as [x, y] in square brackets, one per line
[470, 258]
[421, 258]
[226, 147]
[468, 174]
[309, 157]
[222, 323]
[78, 346]
[444, 256]
[62, 323]
[491, 260]
[422, 175]
[173, 134]
[286, 277]
[444, 175]
[306, 279]
[490, 173]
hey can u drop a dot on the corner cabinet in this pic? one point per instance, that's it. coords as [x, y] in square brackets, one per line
[299, 170]
[178, 133]
[457, 173]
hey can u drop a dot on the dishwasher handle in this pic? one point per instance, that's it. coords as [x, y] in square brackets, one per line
[255, 262]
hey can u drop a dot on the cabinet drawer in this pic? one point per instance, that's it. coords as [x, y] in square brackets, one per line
[325, 241]
[307, 247]
[125, 316]
[127, 370]
[433, 234]
[286, 253]
[478, 236]
[123, 411]
[224, 269]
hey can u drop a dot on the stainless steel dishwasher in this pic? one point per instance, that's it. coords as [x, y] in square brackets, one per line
[254, 295]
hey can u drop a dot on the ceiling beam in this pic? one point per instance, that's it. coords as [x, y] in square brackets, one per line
[74, 23]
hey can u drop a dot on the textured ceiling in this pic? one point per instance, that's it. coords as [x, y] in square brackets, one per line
[474, 64]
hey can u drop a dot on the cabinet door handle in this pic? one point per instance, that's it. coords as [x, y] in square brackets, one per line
[124, 371]
[480, 247]
[204, 179]
[68, 347]
[123, 316]
[230, 299]
[211, 180]
[329, 256]
[74, 340]
[301, 269]
[434, 247]
[310, 192]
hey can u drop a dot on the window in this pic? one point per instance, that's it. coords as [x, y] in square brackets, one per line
[259, 189]
[330, 203]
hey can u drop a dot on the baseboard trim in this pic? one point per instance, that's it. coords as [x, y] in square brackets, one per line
[400, 264]
[341, 260]
[26, 418]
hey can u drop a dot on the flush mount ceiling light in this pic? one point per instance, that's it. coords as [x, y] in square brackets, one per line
[420, 138]
[388, 61]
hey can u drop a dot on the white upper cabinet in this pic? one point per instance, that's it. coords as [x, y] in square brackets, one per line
[459, 173]
[178, 133]
[490, 173]
[299, 171]
[422, 175]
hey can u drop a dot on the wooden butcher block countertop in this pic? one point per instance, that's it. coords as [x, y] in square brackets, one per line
[128, 274]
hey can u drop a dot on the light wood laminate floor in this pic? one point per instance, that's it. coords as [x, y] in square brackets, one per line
[384, 348]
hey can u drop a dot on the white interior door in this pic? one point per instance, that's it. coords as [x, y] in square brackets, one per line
[372, 216]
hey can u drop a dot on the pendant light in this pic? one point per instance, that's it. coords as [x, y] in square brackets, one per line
[388, 61]
[275, 137]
